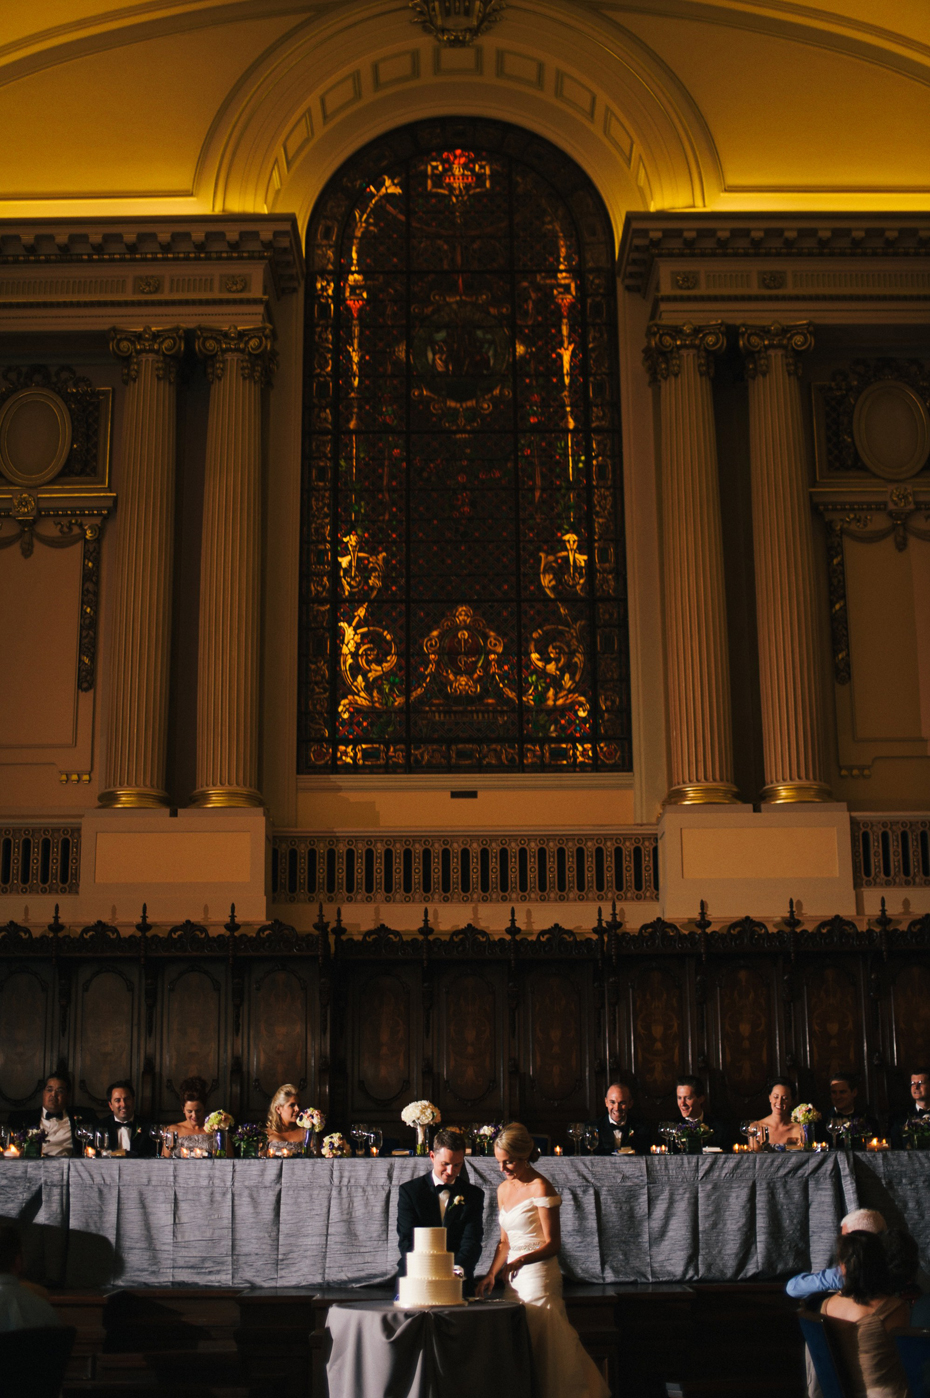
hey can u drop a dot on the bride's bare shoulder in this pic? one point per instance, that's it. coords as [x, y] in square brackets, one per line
[541, 1186]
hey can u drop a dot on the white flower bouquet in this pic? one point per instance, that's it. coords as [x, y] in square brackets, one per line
[805, 1114]
[421, 1114]
[311, 1119]
[219, 1121]
[335, 1145]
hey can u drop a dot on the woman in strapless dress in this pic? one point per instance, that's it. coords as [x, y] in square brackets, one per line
[527, 1254]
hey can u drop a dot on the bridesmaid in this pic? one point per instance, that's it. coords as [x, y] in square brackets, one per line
[193, 1095]
[283, 1112]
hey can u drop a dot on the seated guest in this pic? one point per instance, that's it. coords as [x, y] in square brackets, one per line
[193, 1095]
[831, 1278]
[691, 1098]
[844, 1094]
[21, 1308]
[622, 1126]
[283, 1112]
[54, 1117]
[782, 1131]
[444, 1199]
[860, 1316]
[920, 1105]
[124, 1130]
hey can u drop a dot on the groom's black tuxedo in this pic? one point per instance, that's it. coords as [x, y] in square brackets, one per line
[141, 1144]
[418, 1207]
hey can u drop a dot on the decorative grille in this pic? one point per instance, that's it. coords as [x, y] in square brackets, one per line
[463, 598]
[891, 853]
[40, 859]
[465, 869]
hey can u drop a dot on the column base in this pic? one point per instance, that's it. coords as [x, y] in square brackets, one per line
[702, 794]
[133, 797]
[781, 793]
[226, 796]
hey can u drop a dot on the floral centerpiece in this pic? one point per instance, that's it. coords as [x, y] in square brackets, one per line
[485, 1137]
[220, 1124]
[311, 1121]
[32, 1141]
[804, 1115]
[690, 1135]
[916, 1133]
[421, 1115]
[250, 1140]
[335, 1145]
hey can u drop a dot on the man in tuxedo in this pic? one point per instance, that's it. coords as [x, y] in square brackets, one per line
[920, 1105]
[123, 1128]
[54, 1117]
[444, 1199]
[691, 1097]
[622, 1126]
[844, 1094]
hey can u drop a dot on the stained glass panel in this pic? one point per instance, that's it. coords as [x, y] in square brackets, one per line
[463, 593]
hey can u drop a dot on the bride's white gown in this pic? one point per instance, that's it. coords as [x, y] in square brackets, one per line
[563, 1368]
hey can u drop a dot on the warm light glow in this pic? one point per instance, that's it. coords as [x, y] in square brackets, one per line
[557, 1151]
[11, 1153]
[89, 1151]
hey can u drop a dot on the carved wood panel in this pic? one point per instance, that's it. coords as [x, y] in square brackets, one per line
[832, 1022]
[105, 1041]
[746, 1034]
[192, 1007]
[471, 1020]
[281, 1027]
[910, 1016]
[659, 1025]
[384, 1044]
[559, 1048]
[25, 1015]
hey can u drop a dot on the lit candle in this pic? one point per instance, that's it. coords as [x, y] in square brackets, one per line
[874, 1144]
[557, 1151]
[185, 1152]
[89, 1150]
[11, 1153]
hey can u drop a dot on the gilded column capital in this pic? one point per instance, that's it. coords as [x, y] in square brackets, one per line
[130, 345]
[665, 343]
[755, 342]
[253, 344]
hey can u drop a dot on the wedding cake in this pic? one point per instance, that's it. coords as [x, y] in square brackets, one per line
[429, 1280]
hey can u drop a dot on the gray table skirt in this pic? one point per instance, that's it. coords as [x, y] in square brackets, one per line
[298, 1222]
[449, 1352]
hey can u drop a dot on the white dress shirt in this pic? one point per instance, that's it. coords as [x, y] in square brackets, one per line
[20, 1308]
[58, 1135]
[124, 1137]
[445, 1191]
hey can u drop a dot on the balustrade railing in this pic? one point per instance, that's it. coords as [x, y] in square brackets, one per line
[891, 852]
[36, 859]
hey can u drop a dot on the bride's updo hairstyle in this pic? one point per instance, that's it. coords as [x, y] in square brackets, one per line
[516, 1142]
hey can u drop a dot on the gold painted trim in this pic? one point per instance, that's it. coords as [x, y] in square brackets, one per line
[48, 472]
[782, 793]
[702, 794]
[226, 796]
[133, 797]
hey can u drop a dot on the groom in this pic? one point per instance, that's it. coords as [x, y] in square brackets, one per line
[444, 1199]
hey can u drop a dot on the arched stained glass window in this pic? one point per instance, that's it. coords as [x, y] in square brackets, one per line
[463, 595]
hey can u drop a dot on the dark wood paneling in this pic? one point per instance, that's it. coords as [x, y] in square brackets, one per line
[471, 1022]
[106, 1031]
[910, 1016]
[559, 1043]
[281, 1032]
[746, 1034]
[25, 1014]
[383, 1074]
[192, 1000]
[658, 1019]
[833, 1021]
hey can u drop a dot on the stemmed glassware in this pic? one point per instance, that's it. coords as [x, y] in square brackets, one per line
[745, 1129]
[575, 1132]
[836, 1126]
[668, 1130]
[591, 1139]
[375, 1140]
[85, 1135]
[359, 1134]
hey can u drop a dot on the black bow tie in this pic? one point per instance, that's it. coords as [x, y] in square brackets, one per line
[440, 1187]
[54, 1116]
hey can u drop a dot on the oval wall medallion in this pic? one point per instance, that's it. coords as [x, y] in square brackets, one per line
[35, 436]
[891, 430]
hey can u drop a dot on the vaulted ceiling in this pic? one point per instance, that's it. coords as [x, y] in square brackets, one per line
[196, 106]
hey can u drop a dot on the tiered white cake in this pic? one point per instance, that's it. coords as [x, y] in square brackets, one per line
[429, 1280]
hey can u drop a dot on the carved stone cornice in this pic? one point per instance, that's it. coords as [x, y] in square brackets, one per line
[755, 342]
[167, 344]
[253, 346]
[666, 343]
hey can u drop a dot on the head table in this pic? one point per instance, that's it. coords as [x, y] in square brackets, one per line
[300, 1222]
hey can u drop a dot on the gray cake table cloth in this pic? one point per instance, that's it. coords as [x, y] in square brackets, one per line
[382, 1351]
[300, 1222]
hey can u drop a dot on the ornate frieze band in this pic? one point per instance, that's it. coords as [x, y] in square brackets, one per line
[665, 343]
[253, 345]
[756, 341]
[167, 345]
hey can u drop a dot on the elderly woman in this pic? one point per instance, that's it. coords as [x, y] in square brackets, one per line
[782, 1131]
[193, 1095]
[281, 1124]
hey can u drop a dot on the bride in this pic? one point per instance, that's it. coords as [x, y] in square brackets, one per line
[527, 1254]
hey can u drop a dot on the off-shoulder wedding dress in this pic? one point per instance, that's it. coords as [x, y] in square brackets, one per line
[563, 1368]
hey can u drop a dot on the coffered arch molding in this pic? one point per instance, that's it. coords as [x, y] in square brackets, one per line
[306, 108]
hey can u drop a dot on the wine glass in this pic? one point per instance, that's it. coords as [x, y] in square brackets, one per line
[375, 1140]
[576, 1131]
[667, 1130]
[85, 1135]
[101, 1142]
[359, 1134]
[745, 1129]
[835, 1127]
[591, 1139]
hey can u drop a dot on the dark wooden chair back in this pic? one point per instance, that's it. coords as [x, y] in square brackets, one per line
[823, 1355]
[34, 1361]
[913, 1348]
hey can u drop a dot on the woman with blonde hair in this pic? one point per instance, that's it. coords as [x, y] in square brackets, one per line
[281, 1123]
[527, 1254]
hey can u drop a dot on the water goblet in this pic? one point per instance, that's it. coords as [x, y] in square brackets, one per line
[591, 1139]
[745, 1127]
[375, 1140]
[576, 1131]
[358, 1134]
[835, 1126]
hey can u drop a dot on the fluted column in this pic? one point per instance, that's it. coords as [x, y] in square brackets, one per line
[239, 363]
[134, 764]
[680, 359]
[789, 665]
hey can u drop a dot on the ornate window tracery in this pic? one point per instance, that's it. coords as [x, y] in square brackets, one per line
[463, 594]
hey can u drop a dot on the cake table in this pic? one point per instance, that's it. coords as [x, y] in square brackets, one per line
[376, 1348]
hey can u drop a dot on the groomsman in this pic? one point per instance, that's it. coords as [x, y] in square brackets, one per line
[844, 1094]
[54, 1117]
[444, 1199]
[920, 1105]
[691, 1099]
[123, 1128]
[622, 1126]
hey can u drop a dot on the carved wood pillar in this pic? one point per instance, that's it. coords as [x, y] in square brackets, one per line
[239, 363]
[134, 763]
[680, 359]
[789, 663]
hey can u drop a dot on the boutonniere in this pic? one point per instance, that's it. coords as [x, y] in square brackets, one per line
[459, 1199]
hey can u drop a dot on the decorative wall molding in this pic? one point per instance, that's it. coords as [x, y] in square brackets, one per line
[891, 851]
[40, 859]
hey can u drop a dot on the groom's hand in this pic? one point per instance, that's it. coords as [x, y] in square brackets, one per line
[484, 1287]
